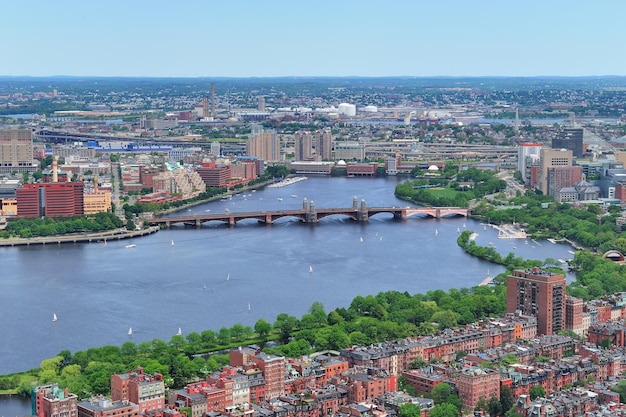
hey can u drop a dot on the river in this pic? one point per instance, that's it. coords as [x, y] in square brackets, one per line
[208, 277]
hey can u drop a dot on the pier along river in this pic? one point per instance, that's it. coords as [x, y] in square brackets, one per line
[205, 278]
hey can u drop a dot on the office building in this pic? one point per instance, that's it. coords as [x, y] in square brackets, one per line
[55, 199]
[570, 138]
[350, 151]
[16, 151]
[304, 145]
[556, 171]
[324, 144]
[528, 155]
[538, 293]
[264, 144]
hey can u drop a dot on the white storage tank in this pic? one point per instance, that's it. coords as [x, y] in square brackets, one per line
[346, 109]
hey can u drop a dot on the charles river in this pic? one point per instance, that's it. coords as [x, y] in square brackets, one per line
[217, 276]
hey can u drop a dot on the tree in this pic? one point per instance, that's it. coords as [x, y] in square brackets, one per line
[537, 391]
[409, 410]
[444, 410]
[494, 407]
[440, 393]
[263, 328]
[506, 398]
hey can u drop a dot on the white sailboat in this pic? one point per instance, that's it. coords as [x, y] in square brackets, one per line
[228, 277]
[361, 239]
[436, 232]
[180, 332]
[249, 308]
[310, 269]
[130, 331]
[172, 243]
[54, 317]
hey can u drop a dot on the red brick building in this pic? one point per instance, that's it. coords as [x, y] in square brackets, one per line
[475, 383]
[215, 175]
[607, 331]
[147, 391]
[52, 401]
[538, 293]
[273, 368]
[57, 199]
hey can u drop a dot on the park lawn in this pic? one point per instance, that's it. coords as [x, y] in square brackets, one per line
[25, 377]
[443, 192]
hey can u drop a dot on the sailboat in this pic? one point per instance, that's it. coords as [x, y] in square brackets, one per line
[172, 243]
[228, 277]
[436, 232]
[361, 239]
[310, 269]
[249, 308]
[54, 317]
[130, 331]
[180, 332]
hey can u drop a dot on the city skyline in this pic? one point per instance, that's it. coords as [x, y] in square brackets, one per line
[280, 38]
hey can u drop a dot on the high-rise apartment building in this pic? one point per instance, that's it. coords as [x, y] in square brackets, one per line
[264, 144]
[538, 293]
[570, 138]
[273, 368]
[16, 150]
[304, 145]
[324, 144]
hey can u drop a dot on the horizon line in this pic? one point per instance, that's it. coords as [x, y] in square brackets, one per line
[311, 76]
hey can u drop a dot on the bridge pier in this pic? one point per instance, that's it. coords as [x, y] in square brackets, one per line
[198, 223]
[311, 215]
[268, 219]
[362, 215]
[231, 221]
[437, 213]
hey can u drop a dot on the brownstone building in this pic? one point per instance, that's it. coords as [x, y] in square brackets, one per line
[538, 293]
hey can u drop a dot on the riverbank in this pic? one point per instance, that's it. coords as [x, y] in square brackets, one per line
[214, 198]
[100, 237]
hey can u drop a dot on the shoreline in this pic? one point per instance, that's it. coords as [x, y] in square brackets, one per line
[116, 234]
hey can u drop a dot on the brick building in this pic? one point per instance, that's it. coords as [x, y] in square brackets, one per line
[57, 199]
[52, 401]
[538, 293]
[147, 391]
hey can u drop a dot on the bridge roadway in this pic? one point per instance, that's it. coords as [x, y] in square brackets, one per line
[309, 214]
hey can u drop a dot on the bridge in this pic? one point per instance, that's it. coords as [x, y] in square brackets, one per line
[310, 214]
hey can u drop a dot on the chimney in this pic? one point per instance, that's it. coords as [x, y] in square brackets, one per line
[55, 174]
[95, 184]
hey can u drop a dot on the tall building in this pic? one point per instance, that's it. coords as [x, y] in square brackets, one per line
[304, 145]
[528, 154]
[570, 138]
[52, 401]
[324, 144]
[215, 148]
[538, 293]
[55, 199]
[264, 144]
[556, 171]
[273, 368]
[16, 151]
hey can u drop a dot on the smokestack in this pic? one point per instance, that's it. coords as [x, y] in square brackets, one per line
[55, 174]
[95, 184]
[205, 108]
[213, 100]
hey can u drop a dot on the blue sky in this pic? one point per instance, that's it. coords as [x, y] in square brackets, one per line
[204, 38]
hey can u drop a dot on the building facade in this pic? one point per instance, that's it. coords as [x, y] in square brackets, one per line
[538, 293]
[57, 199]
[264, 144]
[16, 151]
[570, 138]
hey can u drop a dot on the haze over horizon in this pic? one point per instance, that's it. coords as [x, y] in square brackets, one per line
[281, 38]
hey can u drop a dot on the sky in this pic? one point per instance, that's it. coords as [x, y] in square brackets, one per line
[270, 38]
